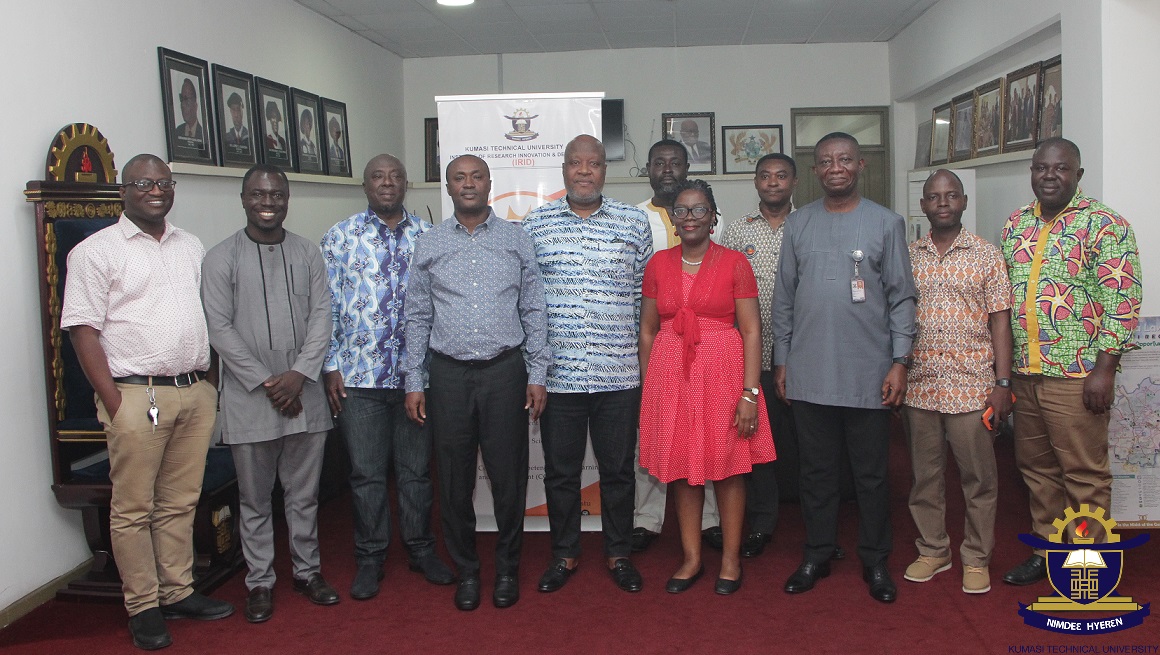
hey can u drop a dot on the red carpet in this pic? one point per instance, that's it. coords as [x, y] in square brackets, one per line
[591, 616]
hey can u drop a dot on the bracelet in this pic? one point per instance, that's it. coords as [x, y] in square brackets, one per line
[748, 399]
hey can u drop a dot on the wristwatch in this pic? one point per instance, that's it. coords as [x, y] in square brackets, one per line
[1003, 382]
[905, 361]
[756, 391]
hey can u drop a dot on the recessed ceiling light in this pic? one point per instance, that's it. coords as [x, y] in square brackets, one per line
[456, 3]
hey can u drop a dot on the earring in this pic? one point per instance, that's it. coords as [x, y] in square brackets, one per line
[711, 230]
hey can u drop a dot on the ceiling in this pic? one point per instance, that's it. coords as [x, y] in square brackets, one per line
[422, 28]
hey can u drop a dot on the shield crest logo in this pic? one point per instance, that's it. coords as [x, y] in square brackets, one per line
[1084, 575]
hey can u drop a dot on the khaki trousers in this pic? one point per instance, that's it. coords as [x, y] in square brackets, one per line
[157, 476]
[928, 435]
[1061, 450]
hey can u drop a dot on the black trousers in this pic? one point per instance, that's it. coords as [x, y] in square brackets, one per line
[481, 407]
[825, 434]
[612, 417]
[768, 482]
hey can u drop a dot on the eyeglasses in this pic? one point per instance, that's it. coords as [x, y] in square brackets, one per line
[697, 212]
[145, 186]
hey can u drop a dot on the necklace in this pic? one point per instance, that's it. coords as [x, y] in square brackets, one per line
[689, 263]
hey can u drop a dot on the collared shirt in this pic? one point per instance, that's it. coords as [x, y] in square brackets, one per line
[143, 296]
[664, 235]
[752, 237]
[367, 265]
[1081, 272]
[592, 268]
[954, 356]
[474, 295]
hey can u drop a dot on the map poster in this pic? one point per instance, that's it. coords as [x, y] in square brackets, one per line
[1134, 433]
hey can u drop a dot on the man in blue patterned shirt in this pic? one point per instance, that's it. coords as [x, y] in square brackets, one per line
[592, 251]
[368, 257]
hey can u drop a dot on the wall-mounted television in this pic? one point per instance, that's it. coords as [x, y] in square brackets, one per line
[612, 120]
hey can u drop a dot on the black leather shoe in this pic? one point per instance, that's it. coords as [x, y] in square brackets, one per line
[642, 539]
[713, 537]
[259, 605]
[882, 587]
[839, 553]
[626, 575]
[148, 630]
[467, 594]
[507, 591]
[433, 569]
[366, 581]
[197, 606]
[754, 544]
[556, 575]
[1029, 571]
[316, 589]
[806, 576]
[725, 587]
[677, 585]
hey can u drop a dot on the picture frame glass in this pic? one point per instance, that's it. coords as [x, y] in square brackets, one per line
[988, 121]
[336, 138]
[744, 145]
[940, 137]
[306, 134]
[1021, 112]
[234, 99]
[273, 107]
[189, 124]
[1051, 102]
[697, 132]
[962, 127]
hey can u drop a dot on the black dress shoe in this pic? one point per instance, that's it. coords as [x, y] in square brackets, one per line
[806, 576]
[881, 586]
[316, 589]
[148, 630]
[725, 587]
[467, 593]
[259, 605]
[1029, 571]
[713, 537]
[677, 585]
[507, 591]
[433, 569]
[556, 575]
[366, 581]
[626, 576]
[754, 544]
[197, 606]
[839, 553]
[642, 539]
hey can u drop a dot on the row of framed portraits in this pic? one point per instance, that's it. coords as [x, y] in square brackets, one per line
[1007, 114]
[240, 120]
[741, 145]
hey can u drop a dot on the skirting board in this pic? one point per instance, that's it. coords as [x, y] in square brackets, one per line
[41, 595]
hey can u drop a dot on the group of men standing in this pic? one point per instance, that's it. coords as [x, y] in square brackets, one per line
[453, 337]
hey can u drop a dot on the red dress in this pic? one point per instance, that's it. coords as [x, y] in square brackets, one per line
[696, 371]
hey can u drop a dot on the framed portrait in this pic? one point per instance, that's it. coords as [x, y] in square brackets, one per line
[940, 135]
[1021, 108]
[1051, 99]
[989, 118]
[431, 150]
[233, 93]
[189, 134]
[304, 129]
[270, 113]
[334, 137]
[745, 144]
[698, 132]
[962, 126]
[922, 144]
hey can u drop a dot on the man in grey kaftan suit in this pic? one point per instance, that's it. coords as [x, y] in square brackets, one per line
[267, 306]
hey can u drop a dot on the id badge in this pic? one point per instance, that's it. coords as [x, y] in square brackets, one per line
[857, 289]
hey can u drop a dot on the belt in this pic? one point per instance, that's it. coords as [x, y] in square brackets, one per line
[183, 380]
[477, 363]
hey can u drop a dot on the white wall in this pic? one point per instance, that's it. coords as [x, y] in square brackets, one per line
[743, 85]
[70, 61]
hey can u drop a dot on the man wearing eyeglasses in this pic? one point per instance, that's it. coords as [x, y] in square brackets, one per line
[134, 316]
[190, 134]
[267, 305]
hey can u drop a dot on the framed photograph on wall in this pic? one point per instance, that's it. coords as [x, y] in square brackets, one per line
[1051, 99]
[745, 144]
[189, 133]
[234, 100]
[333, 127]
[989, 118]
[962, 126]
[1021, 108]
[940, 135]
[304, 128]
[270, 112]
[431, 150]
[922, 144]
[698, 132]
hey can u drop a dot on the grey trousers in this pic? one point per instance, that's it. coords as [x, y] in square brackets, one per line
[297, 461]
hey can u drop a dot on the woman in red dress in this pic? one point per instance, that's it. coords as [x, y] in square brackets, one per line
[700, 347]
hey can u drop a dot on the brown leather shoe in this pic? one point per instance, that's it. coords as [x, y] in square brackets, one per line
[259, 605]
[316, 589]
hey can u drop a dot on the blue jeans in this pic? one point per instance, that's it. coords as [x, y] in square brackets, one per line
[376, 429]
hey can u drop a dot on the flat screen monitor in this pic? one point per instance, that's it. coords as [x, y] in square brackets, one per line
[612, 120]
